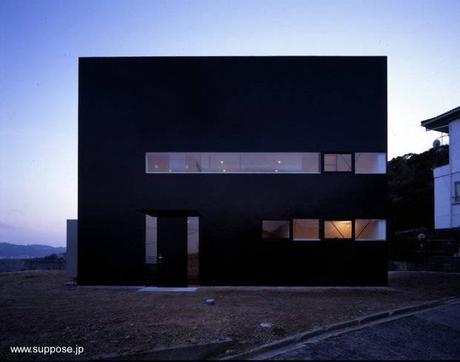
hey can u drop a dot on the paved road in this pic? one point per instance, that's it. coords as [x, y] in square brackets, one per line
[432, 334]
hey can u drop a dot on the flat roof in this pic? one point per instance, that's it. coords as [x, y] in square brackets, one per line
[441, 123]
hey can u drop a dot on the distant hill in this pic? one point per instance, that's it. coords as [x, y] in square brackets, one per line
[13, 251]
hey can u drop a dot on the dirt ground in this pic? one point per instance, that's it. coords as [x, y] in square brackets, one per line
[38, 309]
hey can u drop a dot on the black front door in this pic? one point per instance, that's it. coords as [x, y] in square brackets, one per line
[172, 251]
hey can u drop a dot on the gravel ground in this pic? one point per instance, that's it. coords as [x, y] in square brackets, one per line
[37, 309]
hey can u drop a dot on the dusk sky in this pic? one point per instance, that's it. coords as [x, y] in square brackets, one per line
[40, 42]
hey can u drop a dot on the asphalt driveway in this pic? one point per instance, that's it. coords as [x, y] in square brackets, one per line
[430, 335]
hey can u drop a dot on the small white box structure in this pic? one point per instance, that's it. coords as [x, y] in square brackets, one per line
[447, 177]
[72, 248]
[442, 198]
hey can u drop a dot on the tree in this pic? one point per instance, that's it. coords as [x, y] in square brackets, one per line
[410, 190]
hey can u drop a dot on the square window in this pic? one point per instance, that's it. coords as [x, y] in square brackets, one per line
[306, 229]
[337, 229]
[157, 163]
[370, 162]
[275, 229]
[337, 162]
[370, 229]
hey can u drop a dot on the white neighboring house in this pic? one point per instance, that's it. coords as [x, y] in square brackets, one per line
[447, 177]
[72, 248]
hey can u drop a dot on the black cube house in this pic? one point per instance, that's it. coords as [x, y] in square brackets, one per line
[232, 171]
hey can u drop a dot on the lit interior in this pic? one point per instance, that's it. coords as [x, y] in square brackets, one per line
[223, 162]
[337, 229]
[305, 229]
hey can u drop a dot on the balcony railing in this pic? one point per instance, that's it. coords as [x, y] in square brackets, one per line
[441, 156]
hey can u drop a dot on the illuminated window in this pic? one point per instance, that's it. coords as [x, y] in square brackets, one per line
[337, 229]
[370, 229]
[305, 229]
[275, 229]
[337, 162]
[225, 162]
[370, 162]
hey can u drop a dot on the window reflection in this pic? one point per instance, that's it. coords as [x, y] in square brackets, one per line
[275, 229]
[370, 229]
[223, 162]
[370, 162]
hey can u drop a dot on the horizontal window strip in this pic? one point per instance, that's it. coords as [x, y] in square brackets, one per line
[239, 162]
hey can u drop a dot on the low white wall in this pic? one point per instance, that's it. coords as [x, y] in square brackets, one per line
[446, 210]
[455, 206]
[454, 160]
[442, 197]
[72, 248]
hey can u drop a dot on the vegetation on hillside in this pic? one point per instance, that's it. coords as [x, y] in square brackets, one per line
[410, 190]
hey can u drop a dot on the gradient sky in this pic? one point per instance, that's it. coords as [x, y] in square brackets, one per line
[40, 42]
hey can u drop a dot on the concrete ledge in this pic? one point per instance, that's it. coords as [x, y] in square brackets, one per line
[310, 289]
[167, 290]
[109, 286]
[362, 321]
[373, 317]
[341, 325]
[184, 352]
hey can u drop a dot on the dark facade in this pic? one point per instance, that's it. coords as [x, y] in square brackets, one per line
[131, 106]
